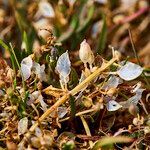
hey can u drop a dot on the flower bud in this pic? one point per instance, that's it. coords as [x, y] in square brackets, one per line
[146, 129]
[133, 109]
[85, 53]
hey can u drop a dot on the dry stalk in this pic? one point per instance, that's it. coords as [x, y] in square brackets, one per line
[63, 99]
[87, 130]
[80, 113]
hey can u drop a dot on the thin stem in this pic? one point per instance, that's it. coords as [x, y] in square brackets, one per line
[135, 15]
[80, 113]
[96, 73]
[87, 130]
[13, 52]
[137, 57]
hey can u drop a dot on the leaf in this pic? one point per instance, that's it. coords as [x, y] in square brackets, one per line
[113, 82]
[85, 23]
[39, 70]
[26, 65]
[7, 49]
[101, 1]
[113, 105]
[43, 104]
[63, 65]
[62, 111]
[27, 42]
[46, 9]
[22, 125]
[32, 97]
[73, 78]
[134, 99]
[130, 71]
[26, 71]
[103, 37]
[38, 132]
[73, 106]
[66, 35]
[111, 140]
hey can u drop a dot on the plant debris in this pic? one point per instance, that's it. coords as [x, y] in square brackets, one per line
[68, 77]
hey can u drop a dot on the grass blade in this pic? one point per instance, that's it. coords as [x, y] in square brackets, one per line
[103, 37]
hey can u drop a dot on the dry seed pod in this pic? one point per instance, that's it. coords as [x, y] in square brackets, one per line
[85, 53]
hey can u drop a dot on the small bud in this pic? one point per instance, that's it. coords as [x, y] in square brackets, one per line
[135, 121]
[133, 109]
[117, 55]
[138, 121]
[87, 102]
[146, 129]
[85, 53]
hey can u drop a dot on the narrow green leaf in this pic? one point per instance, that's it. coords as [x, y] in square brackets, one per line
[87, 21]
[111, 140]
[103, 37]
[4, 45]
[66, 35]
[82, 28]
[12, 61]
[73, 78]
[72, 105]
[7, 48]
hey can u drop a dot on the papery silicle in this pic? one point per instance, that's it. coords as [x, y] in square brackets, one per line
[33, 97]
[40, 71]
[112, 105]
[46, 9]
[62, 111]
[64, 67]
[112, 82]
[26, 65]
[23, 125]
[134, 99]
[43, 104]
[129, 71]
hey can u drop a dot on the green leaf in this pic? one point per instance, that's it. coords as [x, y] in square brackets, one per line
[7, 48]
[73, 78]
[79, 35]
[103, 37]
[111, 140]
[66, 35]
[70, 145]
[14, 65]
[87, 21]
[4, 45]
[25, 40]
[73, 107]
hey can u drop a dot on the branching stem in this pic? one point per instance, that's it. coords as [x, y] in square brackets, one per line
[64, 98]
